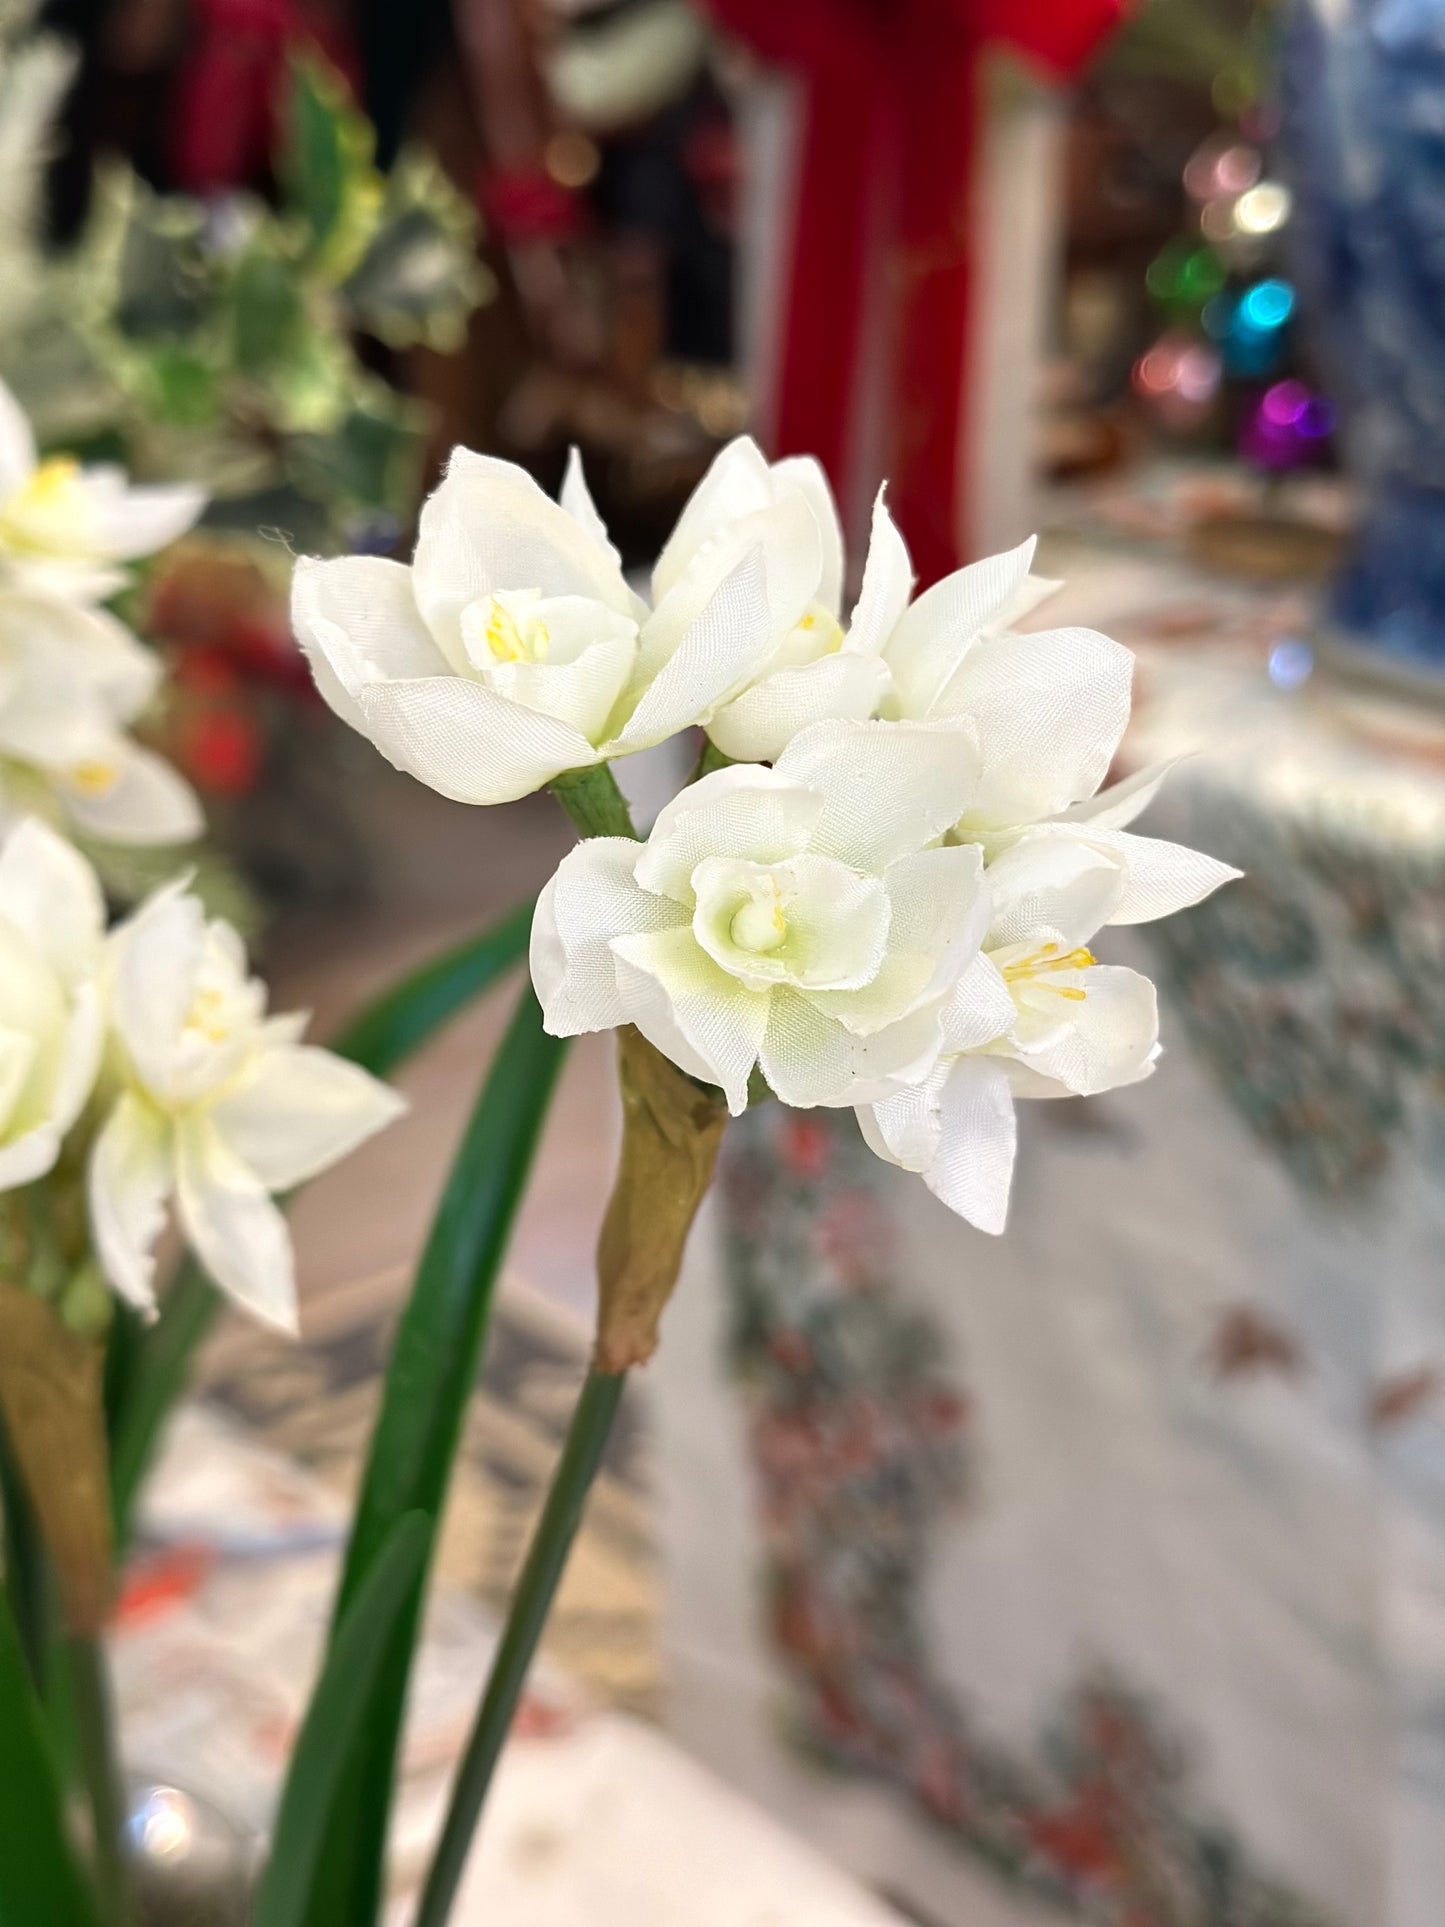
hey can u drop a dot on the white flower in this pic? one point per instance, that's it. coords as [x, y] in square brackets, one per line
[215, 1105]
[814, 669]
[512, 649]
[1034, 1016]
[71, 679]
[69, 529]
[800, 919]
[51, 919]
[1049, 709]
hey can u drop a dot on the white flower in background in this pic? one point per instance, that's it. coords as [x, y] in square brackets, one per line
[51, 920]
[71, 679]
[71, 529]
[215, 1105]
[1036, 1015]
[512, 649]
[802, 919]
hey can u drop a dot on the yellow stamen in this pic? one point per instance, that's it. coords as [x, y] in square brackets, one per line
[509, 641]
[95, 778]
[760, 924]
[1047, 958]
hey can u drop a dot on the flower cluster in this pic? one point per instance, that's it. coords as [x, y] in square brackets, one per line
[139, 1063]
[887, 901]
[73, 678]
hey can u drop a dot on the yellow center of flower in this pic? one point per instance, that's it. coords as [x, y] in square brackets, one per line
[95, 778]
[43, 513]
[513, 636]
[760, 926]
[1038, 963]
[208, 1015]
[822, 627]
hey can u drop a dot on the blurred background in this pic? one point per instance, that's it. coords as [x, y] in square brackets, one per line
[1094, 1574]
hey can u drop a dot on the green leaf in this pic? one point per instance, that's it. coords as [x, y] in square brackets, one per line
[326, 166]
[402, 1020]
[155, 1365]
[267, 311]
[335, 1721]
[429, 1381]
[40, 1877]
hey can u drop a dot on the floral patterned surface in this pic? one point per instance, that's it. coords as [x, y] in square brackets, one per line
[862, 1445]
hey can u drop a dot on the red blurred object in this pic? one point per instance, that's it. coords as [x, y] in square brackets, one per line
[223, 751]
[526, 204]
[227, 107]
[884, 200]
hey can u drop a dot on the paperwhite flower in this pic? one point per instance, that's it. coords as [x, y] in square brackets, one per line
[815, 669]
[796, 919]
[216, 1105]
[512, 649]
[70, 680]
[51, 919]
[1049, 709]
[69, 529]
[1034, 1016]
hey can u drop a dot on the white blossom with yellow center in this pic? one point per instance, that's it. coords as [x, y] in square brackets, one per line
[1036, 1015]
[71, 680]
[70, 529]
[801, 920]
[512, 650]
[52, 917]
[214, 1104]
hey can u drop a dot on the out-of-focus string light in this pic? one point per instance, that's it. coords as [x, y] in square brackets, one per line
[1263, 208]
[1286, 427]
[1221, 166]
[1185, 275]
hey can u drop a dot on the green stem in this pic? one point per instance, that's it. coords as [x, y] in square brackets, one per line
[531, 1602]
[24, 1566]
[594, 802]
[101, 1772]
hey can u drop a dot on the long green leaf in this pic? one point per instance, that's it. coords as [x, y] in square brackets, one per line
[40, 1877]
[154, 1367]
[432, 1372]
[334, 1722]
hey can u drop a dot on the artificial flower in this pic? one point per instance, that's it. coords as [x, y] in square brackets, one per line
[816, 669]
[512, 649]
[51, 920]
[70, 529]
[214, 1104]
[801, 919]
[1034, 1015]
[71, 679]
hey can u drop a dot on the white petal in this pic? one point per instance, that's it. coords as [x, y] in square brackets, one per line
[888, 788]
[758, 725]
[80, 1059]
[86, 648]
[804, 473]
[158, 955]
[979, 1011]
[743, 812]
[487, 527]
[723, 618]
[467, 742]
[904, 1127]
[580, 690]
[127, 523]
[736, 484]
[29, 1156]
[1116, 807]
[1051, 881]
[576, 499]
[934, 636]
[1049, 710]
[887, 585]
[835, 921]
[1109, 1037]
[128, 1182]
[940, 912]
[1164, 877]
[148, 802]
[592, 898]
[301, 1110]
[48, 890]
[704, 1020]
[809, 1058]
[17, 444]
[232, 1225]
[972, 1172]
[357, 622]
